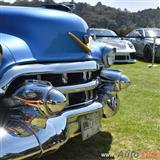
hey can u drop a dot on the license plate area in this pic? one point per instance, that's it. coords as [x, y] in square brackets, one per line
[90, 124]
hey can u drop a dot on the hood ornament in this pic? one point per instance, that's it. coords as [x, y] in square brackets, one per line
[85, 47]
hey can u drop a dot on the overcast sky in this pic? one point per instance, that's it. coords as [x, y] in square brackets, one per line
[131, 5]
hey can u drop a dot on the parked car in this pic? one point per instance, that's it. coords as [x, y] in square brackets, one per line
[55, 82]
[143, 40]
[125, 51]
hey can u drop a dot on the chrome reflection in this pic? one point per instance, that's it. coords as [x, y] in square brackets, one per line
[112, 82]
[79, 87]
[111, 75]
[107, 96]
[41, 95]
[2, 132]
[23, 139]
[124, 82]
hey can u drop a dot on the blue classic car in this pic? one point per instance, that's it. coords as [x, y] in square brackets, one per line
[55, 82]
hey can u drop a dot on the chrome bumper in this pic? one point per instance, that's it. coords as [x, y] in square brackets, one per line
[56, 132]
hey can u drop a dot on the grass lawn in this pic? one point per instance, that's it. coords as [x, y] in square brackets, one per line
[136, 127]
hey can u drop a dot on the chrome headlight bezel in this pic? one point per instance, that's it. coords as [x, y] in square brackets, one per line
[109, 57]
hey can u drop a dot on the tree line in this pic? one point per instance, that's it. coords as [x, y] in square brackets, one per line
[102, 16]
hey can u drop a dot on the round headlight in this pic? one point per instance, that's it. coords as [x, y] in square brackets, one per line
[109, 57]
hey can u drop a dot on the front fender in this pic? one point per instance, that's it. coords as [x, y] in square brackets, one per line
[7, 58]
[18, 48]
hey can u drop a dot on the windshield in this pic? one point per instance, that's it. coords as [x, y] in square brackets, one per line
[102, 32]
[152, 33]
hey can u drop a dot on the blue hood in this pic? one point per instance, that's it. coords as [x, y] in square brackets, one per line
[38, 34]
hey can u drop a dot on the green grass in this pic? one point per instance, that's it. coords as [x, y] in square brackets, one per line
[136, 127]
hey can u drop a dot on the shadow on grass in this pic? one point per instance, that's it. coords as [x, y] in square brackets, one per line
[76, 149]
[122, 63]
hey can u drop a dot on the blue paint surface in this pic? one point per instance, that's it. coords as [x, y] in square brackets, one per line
[41, 35]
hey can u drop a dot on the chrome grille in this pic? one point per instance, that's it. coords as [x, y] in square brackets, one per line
[73, 79]
[69, 78]
[77, 82]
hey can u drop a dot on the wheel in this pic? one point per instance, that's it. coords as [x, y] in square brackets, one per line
[147, 53]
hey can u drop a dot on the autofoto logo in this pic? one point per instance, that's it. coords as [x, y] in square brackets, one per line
[144, 154]
[148, 154]
[107, 156]
[128, 154]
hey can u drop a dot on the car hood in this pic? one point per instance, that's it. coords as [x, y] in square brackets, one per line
[115, 42]
[38, 34]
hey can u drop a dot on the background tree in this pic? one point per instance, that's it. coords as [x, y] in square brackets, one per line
[102, 16]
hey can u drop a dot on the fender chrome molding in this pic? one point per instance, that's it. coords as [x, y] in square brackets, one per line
[54, 68]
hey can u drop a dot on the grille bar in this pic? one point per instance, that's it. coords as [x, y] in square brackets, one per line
[53, 68]
[79, 88]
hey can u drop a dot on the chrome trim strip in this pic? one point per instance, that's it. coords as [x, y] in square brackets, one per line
[78, 88]
[54, 68]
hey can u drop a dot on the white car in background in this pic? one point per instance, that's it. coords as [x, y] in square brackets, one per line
[125, 50]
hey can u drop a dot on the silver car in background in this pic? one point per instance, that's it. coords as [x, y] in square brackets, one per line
[125, 51]
[143, 39]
